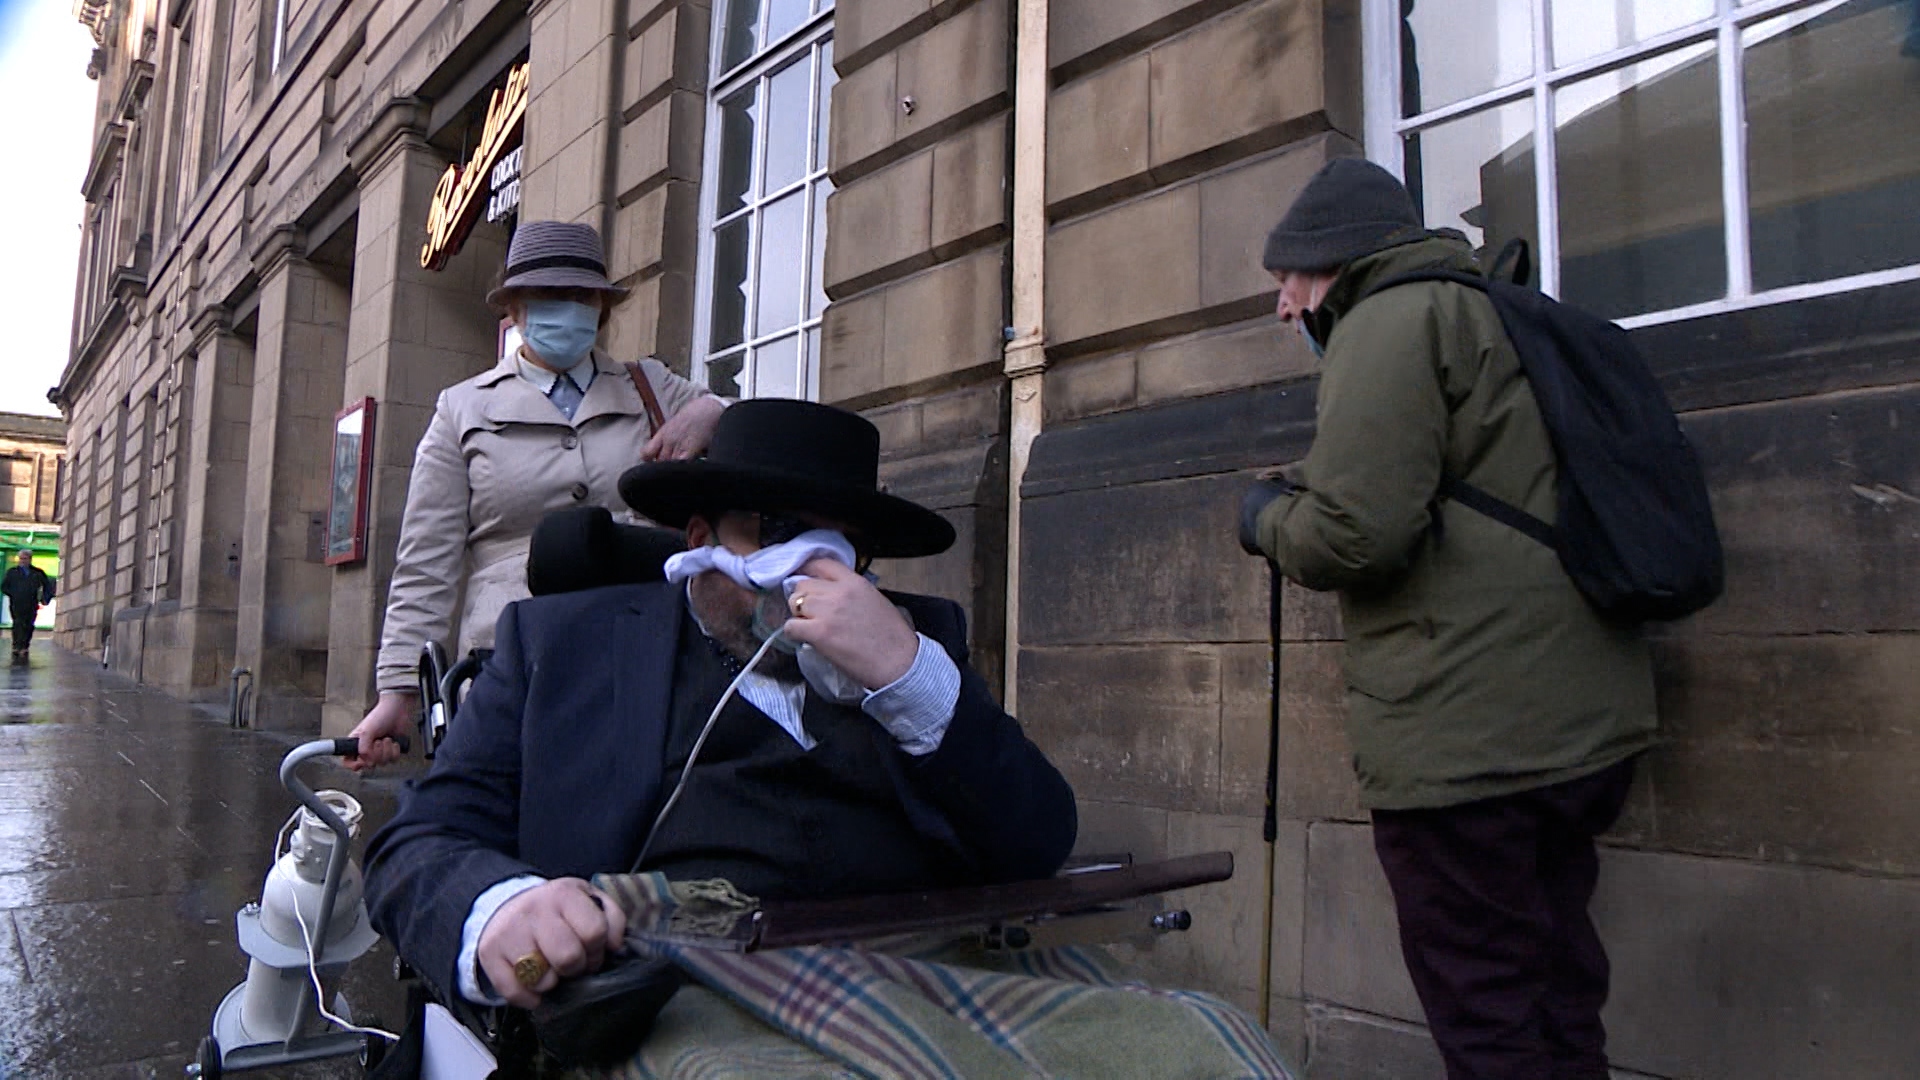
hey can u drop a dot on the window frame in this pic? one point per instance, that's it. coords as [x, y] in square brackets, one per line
[1387, 129]
[796, 47]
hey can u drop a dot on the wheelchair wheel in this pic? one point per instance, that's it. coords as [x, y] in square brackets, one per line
[373, 1051]
[207, 1059]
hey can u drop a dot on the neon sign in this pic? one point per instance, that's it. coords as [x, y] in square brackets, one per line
[456, 199]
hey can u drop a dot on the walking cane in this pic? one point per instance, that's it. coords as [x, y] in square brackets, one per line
[1271, 829]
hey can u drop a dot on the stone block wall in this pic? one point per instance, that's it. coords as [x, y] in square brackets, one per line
[916, 269]
[616, 127]
[1176, 134]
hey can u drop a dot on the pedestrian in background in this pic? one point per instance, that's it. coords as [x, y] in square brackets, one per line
[27, 588]
[553, 425]
[1494, 714]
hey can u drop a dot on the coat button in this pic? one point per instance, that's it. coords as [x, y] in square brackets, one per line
[570, 441]
[579, 492]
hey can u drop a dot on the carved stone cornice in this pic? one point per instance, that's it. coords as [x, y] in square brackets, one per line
[106, 156]
[96, 16]
[280, 244]
[133, 93]
[128, 286]
[401, 125]
[104, 332]
[214, 320]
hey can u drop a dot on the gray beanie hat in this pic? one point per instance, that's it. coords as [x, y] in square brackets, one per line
[1350, 208]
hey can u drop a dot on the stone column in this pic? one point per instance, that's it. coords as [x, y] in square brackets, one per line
[284, 588]
[414, 332]
[216, 505]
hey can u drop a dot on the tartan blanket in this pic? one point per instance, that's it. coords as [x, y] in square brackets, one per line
[917, 1008]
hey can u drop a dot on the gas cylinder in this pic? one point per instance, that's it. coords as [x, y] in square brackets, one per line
[297, 883]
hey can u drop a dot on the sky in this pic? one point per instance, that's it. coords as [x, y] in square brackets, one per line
[46, 129]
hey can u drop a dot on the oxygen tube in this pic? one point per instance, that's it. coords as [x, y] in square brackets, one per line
[705, 730]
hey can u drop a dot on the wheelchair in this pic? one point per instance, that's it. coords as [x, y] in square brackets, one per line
[1093, 901]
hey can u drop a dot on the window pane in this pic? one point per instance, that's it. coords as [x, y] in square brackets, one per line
[1475, 174]
[723, 374]
[817, 300]
[1451, 50]
[1642, 227]
[776, 369]
[789, 107]
[739, 115]
[786, 16]
[829, 79]
[782, 247]
[730, 283]
[812, 364]
[743, 23]
[1587, 28]
[823, 5]
[1833, 142]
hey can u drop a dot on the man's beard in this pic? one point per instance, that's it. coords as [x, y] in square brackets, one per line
[726, 612]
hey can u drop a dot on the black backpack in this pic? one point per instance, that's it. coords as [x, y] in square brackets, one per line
[1635, 529]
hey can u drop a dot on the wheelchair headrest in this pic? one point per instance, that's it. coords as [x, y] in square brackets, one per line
[583, 548]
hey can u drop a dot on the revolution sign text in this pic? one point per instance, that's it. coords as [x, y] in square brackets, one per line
[457, 198]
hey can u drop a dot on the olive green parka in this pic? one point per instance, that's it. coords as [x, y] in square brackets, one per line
[1474, 666]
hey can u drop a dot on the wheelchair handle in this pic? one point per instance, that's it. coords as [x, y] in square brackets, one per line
[350, 746]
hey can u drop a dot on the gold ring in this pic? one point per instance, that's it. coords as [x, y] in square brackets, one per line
[799, 604]
[530, 969]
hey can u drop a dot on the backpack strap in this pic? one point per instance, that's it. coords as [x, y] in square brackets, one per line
[1514, 263]
[1453, 488]
[1498, 509]
[648, 399]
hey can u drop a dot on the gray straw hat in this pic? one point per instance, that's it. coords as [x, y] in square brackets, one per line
[555, 255]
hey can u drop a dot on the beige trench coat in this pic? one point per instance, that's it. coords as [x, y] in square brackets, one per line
[496, 458]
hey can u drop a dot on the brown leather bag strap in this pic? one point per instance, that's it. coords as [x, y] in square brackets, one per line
[655, 417]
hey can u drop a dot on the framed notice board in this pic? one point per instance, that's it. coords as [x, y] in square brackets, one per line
[352, 485]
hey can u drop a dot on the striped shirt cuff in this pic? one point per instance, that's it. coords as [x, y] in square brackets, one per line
[917, 707]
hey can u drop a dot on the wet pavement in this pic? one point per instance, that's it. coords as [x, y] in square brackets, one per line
[132, 827]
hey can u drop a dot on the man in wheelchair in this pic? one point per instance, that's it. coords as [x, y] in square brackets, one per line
[765, 718]
[890, 769]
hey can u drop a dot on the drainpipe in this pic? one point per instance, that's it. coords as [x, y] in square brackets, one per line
[159, 441]
[1026, 356]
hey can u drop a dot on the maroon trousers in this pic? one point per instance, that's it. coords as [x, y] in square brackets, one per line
[1492, 898]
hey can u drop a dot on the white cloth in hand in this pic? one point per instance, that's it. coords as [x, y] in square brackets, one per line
[767, 568]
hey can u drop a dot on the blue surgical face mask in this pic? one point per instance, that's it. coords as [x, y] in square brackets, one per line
[561, 332]
[1307, 333]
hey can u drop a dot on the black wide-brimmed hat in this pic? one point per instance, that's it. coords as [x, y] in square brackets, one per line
[775, 456]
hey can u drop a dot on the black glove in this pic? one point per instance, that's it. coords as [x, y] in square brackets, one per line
[1260, 495]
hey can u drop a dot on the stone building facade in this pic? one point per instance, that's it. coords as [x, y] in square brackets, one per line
[33, 456]
[1023, 237]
